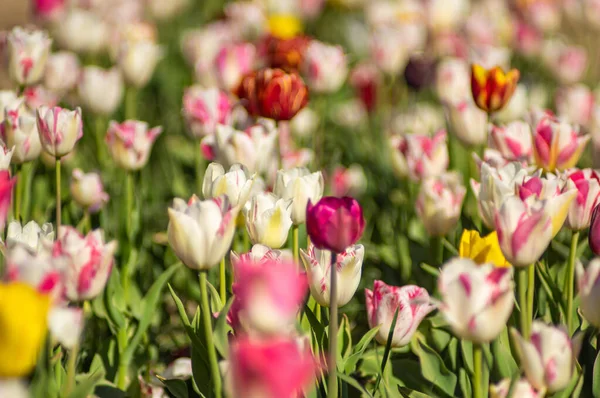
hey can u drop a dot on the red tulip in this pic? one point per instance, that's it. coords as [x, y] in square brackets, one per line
[286, 54]
[334, 223]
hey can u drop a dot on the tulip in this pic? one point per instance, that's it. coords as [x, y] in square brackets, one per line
[137, 61]
[594, 236]
[589, 289]
[48, 9]
[557, 145]
[325, 67]
[236, 183]
[568, 63]
[517, 106]
[547, 357]
[232, 63]
[286, 53]
[82, 31]
[439, 203]
[5, 157]
[261, 253]
[419, 72]
[27, 55]
[204, 109]
[38, 96]
[452, 80]
[477, 300]
[165, 10]
[273, 93]
[14, 388]
[411, 302]
[87, 190]
[389, 50]
[425, 156]
[349, 181]
[493, 88]
[587, 182]
[268, 296]
[130, 143]
[468, 123]
[59, 129]
[268, 220]
[19, 131]
[23, 314]
[62, 72]
[318, 269]
[305, 123]
[35, 267]
[445, 15]
[6, 188]
[334, 223]
[513, 141]
[248, 17]
[365, 79]
[101, 90]
[300, 186]
[201, 46]
[31, 235]
[276, 368]
[521, 389]
[482, 250]
[575, 104]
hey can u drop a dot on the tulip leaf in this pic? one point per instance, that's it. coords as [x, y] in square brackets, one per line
[215, 299]
[351, 381]
[86, 387]
[359, 349]
[221, 331]
[504, 363]
[465, 382]
[596, 377]
[177, 387]
[408, 393]
[433, 367]
[317, 327]
[466, 350]
[344, 337]
[433, 271]
[113, 300]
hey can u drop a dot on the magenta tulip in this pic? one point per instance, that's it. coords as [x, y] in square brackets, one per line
[334, 223]
[6, 188]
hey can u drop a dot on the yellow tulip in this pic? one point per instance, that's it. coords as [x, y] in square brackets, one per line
[23, 327]
[482, 250]
[284, 26]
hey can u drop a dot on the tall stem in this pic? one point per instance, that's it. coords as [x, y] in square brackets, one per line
[19, 192]
[123, 365]
[129, 189]
[332, 383]
[99, 136]
[199, 170]
[222, 281]
[522, 287]
[58, 196]
[295, 243]
[71, 369]
[570, 280]
[478, 370]
[131, 103]
[438, 250]
[210, 346]
[530, 293]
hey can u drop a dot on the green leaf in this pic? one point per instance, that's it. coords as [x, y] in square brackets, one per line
[177, 387]
[433, 367]
[504, 364]
[113, 300]
[388, 347]
[221, 331]
[464, 382]
[408, 393]
[344, 341]
[433, 271]
[317, 328]
[359, 349]
[351, 381]
[86, 387]
[596, 377]
[215, 298]
[466, 350]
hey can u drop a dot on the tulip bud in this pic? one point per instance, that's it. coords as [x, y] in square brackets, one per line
[411, 302]
[27, 55]
[204, 109]
[138, 60]
[101, 90]
[493, 88]
[130, 143]
[200, 232]
[31, 235]
[513, 141]
[477, 300]
[468, 123]
[236, 183]
[589, 290]
[62, 72]
[425, 156]
[521, 389]
[82, 31]
[575, 104]
[547, 357]
[6, 188]
[232, 63]
[19, 131]
[318, 269]
[439, 203]
[300, 186]
[325, 67]
[59, 129]
[87, 190]
[268, 220]
[334, 223]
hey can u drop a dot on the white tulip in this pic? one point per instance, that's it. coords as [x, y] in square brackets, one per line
[299, 185]
[268, 220]
[235, 183]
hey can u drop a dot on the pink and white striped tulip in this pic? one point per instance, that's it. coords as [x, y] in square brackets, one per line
[477, 300]
[38, 95]
[468, 122]
[513, 141]
[247, 17]
[575, 104]
[557, 145]
[350, 181]
[547, 357]
[588, 282]
[101, 90]
[567, 63]
[325, 67]
[439, 203]
[521, 389]
[268, 220]
[587, 183]
[19, 131]
[300, 186]
[232, 63]
[318, 269]
[28, 52]
[130, 143]
[453, 80]
[261, 253]
[87, 190]
[389, 49]
[200, 232]
[204, 109]
[59, 129]
[426, 156]
[36, 268]
[412, 303]
[62, 72]
[236, 183]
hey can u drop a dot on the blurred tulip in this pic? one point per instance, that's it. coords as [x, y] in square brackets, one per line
[87, 190]
[575, 104]
[34, 266]
[204, 109]
[334, 223]
[284, 25]
[481, 250]
[137, 61]
[419, 72]
[304, 123]
[325, 67]
[365, 79]
[477, 300]
[19, 131]
[66, 325]
[23, 315]
[286, 53]
[398, 148]
[232, 63]
[273, 93]
[48, 10]
[28, 52]
[82, 31]
[235, 183]
[200, 232]
[274, 368]
[59, 129]
[388, 49]
[6, 188]
[62, 72]
[349, 181]
[268, 220]
[318, 269]
[249, 17]
[493, 88]
[557, 145]
[521, 389]
[411, 302]
[547, 357]
[261, 253]
[14, 388]
[130, 143]
[5, 157]
[452, 80]
[468, 123]
[165, 10]
[101, 90]
[517, 106]
[439, 203]
[568, 63]
[446, 15]
[37, 96]
[299, 186]
[587, 182]
[426, 156]
[9, 99]
[589, 290]
[31, 235]
[513, 141]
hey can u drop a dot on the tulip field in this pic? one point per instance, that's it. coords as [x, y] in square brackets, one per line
[300, 199]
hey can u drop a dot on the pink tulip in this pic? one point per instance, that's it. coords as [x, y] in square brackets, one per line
[325, 67]
[6, 188]
[411, 302]
[261, 253]
[334, 223]
[513, 141]
[568, 63]
[130, 143]
[349, 181]
[87, 190]
[575, 104]
[425, 156]
[439, 203]
[204, 108]
[48, 9]
[233, 62]
[587, 182]
[275, 368]
[37, 96]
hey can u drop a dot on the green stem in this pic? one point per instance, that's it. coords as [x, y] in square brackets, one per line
[27, 173]
[478, 368]
[71, 369]
[129, 189]
[99, 136]
[131, 103]
[570, 280]
[522, 287]
[222, 281]
[438, 250]
[200, 167]
[86, 224]
[530, 293]
[208, 333]
[332, 382]
[123, 365]
[58, 197]
[295, 243]
[19, 185]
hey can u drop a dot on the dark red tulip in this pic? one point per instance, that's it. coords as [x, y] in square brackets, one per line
[594, 236]
[286, 54]
[334, 223]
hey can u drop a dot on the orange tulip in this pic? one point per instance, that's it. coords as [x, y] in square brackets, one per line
[492, 88]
